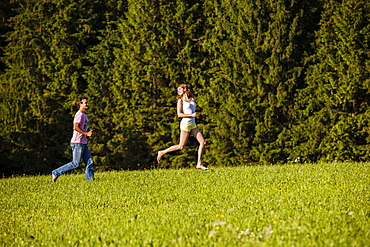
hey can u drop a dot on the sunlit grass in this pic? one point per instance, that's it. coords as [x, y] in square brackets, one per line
[287, 205]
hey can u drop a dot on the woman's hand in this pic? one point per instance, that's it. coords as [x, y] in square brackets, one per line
[195, 114]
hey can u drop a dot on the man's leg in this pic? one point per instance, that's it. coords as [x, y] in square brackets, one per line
[77, 151]
[89, 169]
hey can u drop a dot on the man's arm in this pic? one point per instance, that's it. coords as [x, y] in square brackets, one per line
[77, 128]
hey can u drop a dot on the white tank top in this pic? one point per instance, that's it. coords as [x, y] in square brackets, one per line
[188, 108]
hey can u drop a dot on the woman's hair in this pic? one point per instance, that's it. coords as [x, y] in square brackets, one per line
[187, 91]
[79, 101]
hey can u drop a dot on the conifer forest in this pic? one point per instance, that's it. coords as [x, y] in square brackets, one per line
[275, 81]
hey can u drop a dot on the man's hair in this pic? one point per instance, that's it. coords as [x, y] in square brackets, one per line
[79, 101]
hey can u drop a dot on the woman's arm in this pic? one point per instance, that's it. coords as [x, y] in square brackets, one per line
[181, 114]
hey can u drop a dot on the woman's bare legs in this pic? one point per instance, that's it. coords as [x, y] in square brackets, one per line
[183, 138]
[198, 135]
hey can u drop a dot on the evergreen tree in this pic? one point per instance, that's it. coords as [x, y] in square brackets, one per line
[99, 76]
[335, 103]
[157, 41]
[45, 59]
[255, 63]
[6, 12]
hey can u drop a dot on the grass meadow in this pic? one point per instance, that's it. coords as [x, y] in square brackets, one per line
[326, 204]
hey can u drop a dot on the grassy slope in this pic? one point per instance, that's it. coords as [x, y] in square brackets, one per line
[288, 205]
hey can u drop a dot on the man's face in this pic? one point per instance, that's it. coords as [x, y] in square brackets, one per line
[84, 105]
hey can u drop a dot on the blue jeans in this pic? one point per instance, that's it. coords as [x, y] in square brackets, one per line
[79, 151]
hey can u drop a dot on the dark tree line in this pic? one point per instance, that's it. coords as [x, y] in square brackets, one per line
[276, 81]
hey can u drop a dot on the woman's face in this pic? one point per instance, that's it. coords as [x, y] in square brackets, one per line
[180, 91]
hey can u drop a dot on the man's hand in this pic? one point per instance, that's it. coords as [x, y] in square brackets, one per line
[90, 133]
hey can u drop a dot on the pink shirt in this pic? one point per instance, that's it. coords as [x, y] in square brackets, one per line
[82, 119]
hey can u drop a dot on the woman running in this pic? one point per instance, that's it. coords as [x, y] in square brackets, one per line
[186, 110]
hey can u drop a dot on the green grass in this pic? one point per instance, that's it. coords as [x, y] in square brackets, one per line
[285, 205]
